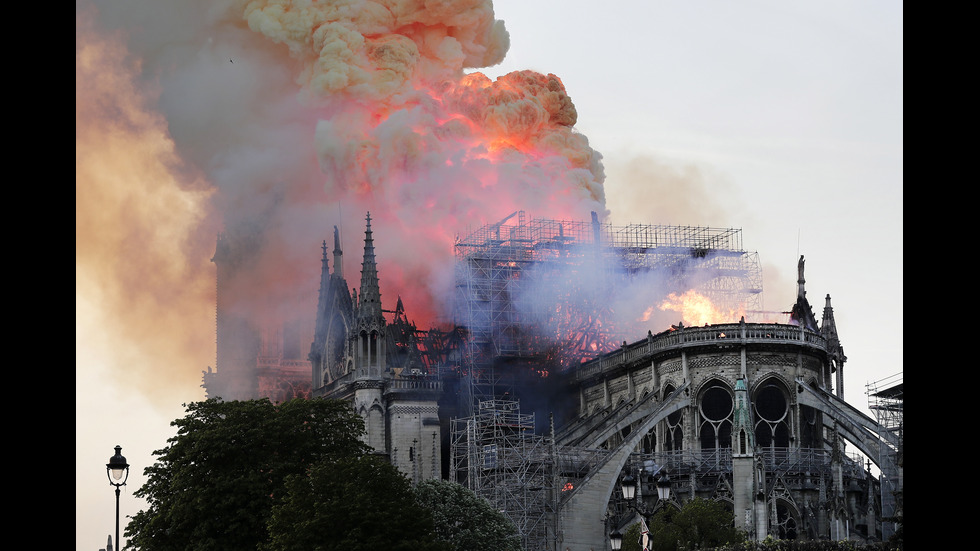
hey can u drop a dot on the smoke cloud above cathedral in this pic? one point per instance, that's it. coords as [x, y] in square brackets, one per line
[270, 122]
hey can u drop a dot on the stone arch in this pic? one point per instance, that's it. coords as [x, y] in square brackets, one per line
[785, 522]
[767, 378]
[786, 519]
[853, 425]
[673, 429]
[598, 486]
[723, 490]
[698, 388]
[772, 410]
[715, 401]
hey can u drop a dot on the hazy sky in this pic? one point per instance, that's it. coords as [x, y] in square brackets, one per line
[783, 119]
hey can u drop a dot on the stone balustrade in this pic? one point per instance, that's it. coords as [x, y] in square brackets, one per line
[691, 337]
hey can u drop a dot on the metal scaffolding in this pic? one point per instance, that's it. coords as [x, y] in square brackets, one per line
[537, 296]
[886, 398]
[540, 294]
[496, 454]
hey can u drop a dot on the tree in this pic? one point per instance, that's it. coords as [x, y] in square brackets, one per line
[465, 520]
[701, 523]
[215, 484]
[631, 539]
[351, 504]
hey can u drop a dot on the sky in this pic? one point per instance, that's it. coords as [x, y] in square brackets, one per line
[783, 119]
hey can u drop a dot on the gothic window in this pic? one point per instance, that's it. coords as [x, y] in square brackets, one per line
[717, 408]
[674, 433]
[772, 416]
[649, 443]
[373, 351]
[808, 428]
[787, 524]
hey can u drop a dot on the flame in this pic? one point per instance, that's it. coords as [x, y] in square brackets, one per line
[695, 309]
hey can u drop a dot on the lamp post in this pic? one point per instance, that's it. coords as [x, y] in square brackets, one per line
[117, 469]
[628, 485]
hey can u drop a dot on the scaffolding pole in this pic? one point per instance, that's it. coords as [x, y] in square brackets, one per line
[886, 399]
[496, 454]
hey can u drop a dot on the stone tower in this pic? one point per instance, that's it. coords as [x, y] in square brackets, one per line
[352, 360]
[748, 471]
[330, 351]
[368, 347]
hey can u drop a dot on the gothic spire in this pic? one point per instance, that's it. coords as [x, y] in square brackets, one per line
[334, 312]
[338, 255]
[828, 327]
[800, 281]
[324, 276]
[369, 306]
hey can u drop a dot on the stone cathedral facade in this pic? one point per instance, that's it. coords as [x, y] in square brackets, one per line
[351, 360]
[749, 414]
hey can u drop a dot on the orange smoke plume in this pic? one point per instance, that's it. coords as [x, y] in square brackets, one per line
[272, 121]
[143, 284]
[402, 131]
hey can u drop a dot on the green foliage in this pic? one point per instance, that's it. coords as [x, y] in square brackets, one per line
[772, 544]
[215, 484]
[701, 523]
[351, 504]
[631, 539]
[465, 520]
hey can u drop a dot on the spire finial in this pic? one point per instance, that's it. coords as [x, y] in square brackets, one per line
[338, 255]
[800, 281]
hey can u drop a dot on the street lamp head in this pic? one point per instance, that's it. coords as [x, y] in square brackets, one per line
[663, 486]
[629, 487]
[117, 468]
[616, 540]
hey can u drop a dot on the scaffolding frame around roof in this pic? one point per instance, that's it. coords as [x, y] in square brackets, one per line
[497, 263]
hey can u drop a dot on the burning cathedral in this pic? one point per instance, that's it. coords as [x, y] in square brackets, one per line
[556, 385]
[547, 400]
